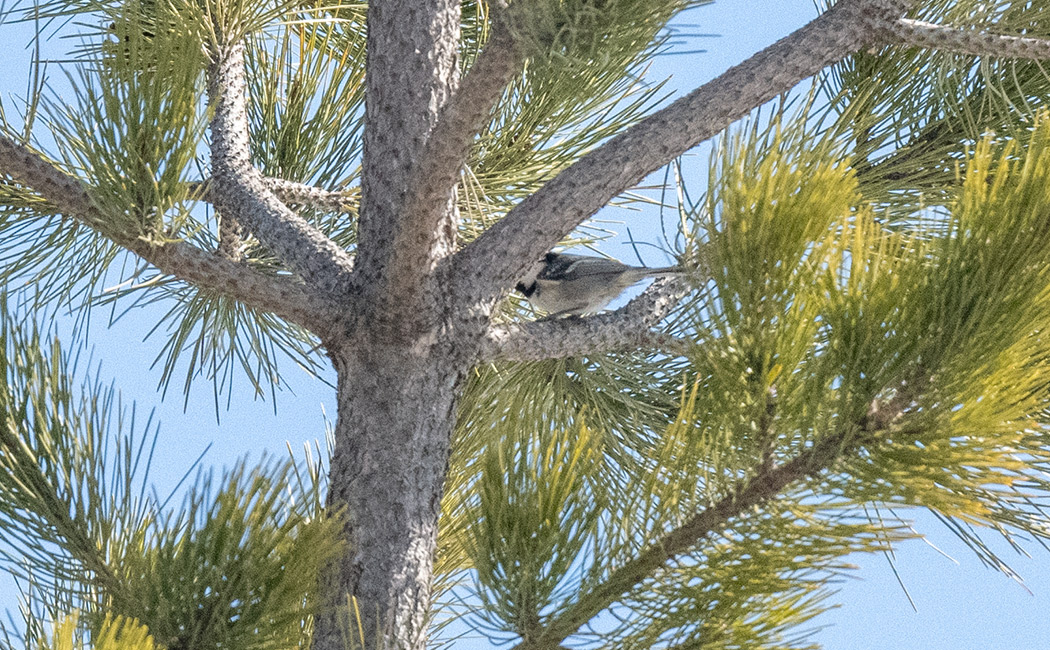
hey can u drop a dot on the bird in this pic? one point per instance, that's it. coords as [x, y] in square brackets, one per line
[563, 284]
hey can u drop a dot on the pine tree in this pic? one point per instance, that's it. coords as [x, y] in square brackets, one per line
[861, 326]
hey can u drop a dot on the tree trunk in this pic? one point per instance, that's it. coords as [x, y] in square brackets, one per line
[397, 403]
[399, 368]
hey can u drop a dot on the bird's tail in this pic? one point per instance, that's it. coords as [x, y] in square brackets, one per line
[663, 272]
[639, 273]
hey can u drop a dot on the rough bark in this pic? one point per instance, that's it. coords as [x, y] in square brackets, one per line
[462, 118]
[241, 191]
[397, 402]
[627, 328]
[411, 74]
[944, 38]
[399, 368]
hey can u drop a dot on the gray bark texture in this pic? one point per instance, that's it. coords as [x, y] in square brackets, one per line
[241, 190]
[396, 412]
[399, 368]
[411, 74]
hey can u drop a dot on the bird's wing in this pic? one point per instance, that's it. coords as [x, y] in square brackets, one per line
[570, 266]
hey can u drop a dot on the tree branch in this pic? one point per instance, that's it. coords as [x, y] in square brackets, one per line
[918, 33]
[232, 244]
[239, 189]
[766, 484]
[441, 161]
[437, 172]
[293, 193]
[627, 328]
[205, 270]
[411, 76]
[490, 265]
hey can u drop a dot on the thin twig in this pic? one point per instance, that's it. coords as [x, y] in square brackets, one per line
[294, 193]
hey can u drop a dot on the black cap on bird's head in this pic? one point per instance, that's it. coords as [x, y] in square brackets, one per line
[527, 285]
[526, 289]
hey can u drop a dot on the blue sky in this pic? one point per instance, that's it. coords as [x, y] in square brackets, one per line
[960, 604]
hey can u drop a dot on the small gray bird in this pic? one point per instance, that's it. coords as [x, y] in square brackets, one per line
[572, 285]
